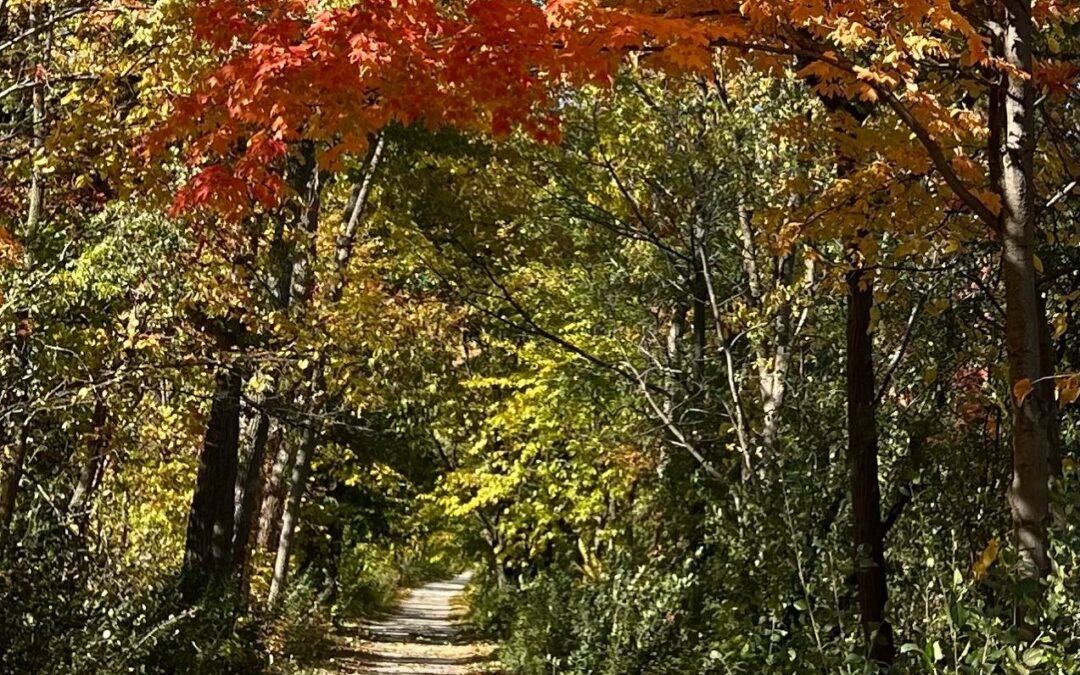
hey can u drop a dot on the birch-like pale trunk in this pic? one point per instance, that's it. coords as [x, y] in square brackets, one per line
[36, 196]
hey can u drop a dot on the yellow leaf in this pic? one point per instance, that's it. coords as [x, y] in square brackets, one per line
[982, 565]
[875, 319]
[1069, 396]
[1021, 390]
[1068, 390]
[1061, 324]
[1038, 263]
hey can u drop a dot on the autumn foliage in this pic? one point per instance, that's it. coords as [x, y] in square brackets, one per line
[293, 72]
[715, 335]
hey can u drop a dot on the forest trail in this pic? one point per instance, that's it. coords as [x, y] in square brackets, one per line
[421, 637]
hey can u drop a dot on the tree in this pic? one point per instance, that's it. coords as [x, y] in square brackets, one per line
[889, 55]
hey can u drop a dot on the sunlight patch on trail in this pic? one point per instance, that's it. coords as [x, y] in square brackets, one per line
[421, 637]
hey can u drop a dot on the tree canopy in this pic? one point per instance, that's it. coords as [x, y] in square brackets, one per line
[714, 335]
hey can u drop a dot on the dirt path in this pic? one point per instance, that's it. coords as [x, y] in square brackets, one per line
[420, 638]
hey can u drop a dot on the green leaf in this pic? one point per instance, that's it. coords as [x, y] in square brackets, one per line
[1034, 656]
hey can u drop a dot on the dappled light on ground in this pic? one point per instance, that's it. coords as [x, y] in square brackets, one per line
[422, 637]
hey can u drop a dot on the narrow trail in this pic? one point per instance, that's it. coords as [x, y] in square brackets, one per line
[421, 637]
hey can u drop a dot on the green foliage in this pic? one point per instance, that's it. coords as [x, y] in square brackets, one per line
[609, 372]
[89, 622]
[302, 626]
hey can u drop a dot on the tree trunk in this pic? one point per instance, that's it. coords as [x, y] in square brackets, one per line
[869, 533]
[773, 359]
[291, 517]
[675, 377]
[773, 373]
[303, 284]
[1029, 493]
[358, 199]
[274, 494]
[13, 444]
[248, 492]
[14, 457]
[1048, 391]
[207, 552]
[93, 467]
[256, 492]
[37, 125]
[699, 290]
[303, 287]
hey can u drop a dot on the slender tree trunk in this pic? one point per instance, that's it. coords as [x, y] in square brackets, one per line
[358, 199]
[675, 377]
[1048, 391]
[248, 494]
[14, 458]
[869, 532]
[747, 241]
[774, 356]
[291, 517]
[1029, 493]
[774, 369]
[207, 552]
[274, 495]
[267, 499]
[15, 431]
[93, 467]
[37, 125]
[699, 290]
[303, 286]
[303, 283]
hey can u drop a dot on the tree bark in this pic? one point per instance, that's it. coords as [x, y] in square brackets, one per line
[207, 552]
[291, 517]
[303, 287]
[248, 492]
[774, 356]
[14, 457]
[1048, 391]
[37, 125]
[869, 533]
[93, 467]
[1029, 493]
[14, 435]
[251, 492]
[699, 291]
[358, 199]
[774, 370]
[274, 494]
